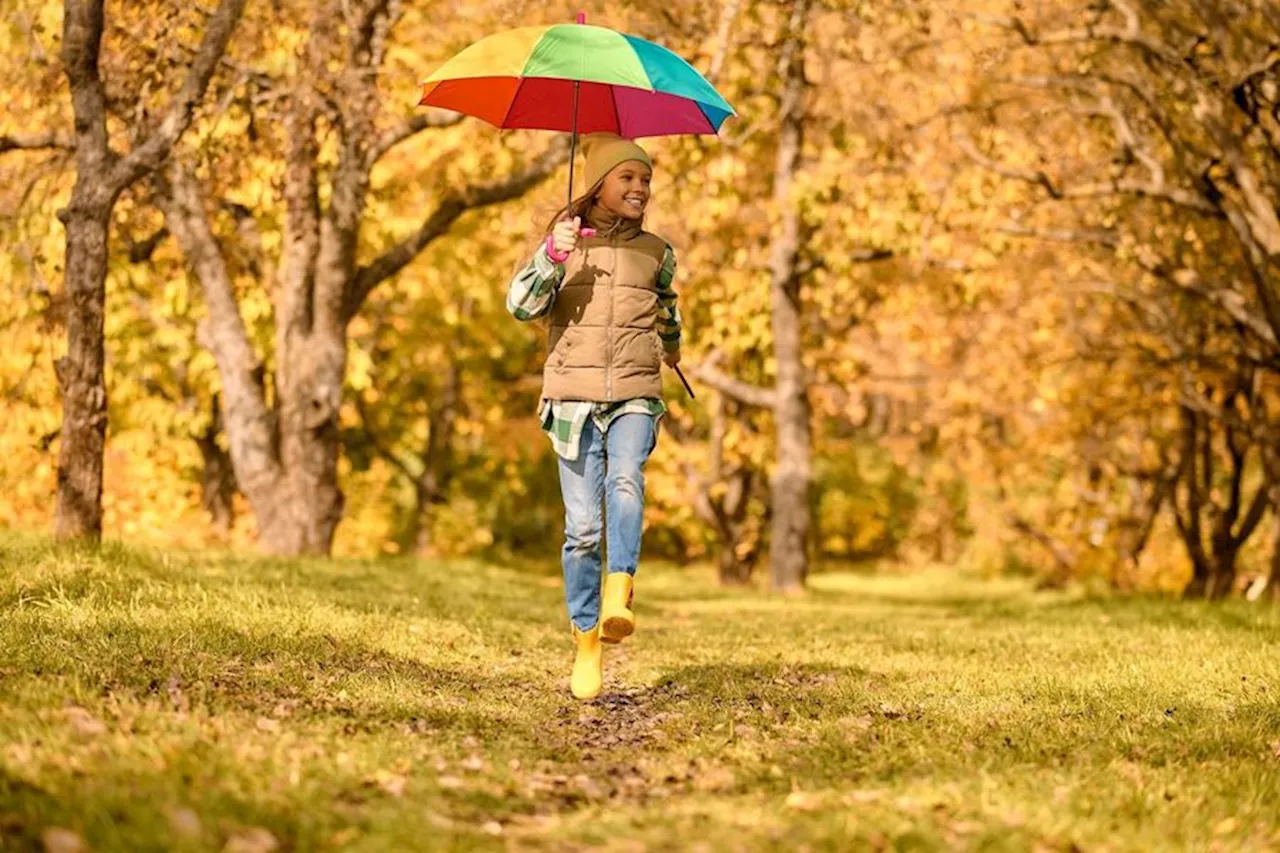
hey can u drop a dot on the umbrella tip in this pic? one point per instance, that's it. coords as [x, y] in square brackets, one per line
[582, 17]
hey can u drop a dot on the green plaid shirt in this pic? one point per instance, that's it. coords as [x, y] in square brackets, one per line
[530, 296]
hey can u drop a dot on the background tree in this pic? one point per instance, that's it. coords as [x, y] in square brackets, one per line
[102, 174]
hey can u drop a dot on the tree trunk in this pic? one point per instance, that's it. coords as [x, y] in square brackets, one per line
[80, 372]
[101, 175]
[790, 485]
[286, 456]
[1273, 582]
[309, 447]
[217, 479]
[432, 485]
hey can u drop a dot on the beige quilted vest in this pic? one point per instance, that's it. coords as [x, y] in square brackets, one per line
[603, 345]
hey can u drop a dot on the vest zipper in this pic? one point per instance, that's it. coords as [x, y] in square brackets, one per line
[608, 356]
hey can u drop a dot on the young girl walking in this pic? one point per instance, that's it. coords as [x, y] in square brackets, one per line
[604, 285]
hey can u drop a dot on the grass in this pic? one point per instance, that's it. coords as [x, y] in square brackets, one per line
[151, 701]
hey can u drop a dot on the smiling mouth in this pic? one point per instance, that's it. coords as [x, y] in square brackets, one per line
[634, 201]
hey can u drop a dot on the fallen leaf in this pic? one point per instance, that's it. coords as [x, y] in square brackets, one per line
[492, 828]
[185, 822]
[449, 782]
[803, 802]
[714, 779]
[344, 836]
[83, 723]
[473, 762]
[255, 839]
[392, 783]
[267, 724]
[59, 840]
[1226, 827]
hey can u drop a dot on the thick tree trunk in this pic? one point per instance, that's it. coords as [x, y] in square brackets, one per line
[80, 372]
[309, 448]
[788, 556]
[286, 456]
[101, 175]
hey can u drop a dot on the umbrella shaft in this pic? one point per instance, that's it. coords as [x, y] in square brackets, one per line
[573, 144]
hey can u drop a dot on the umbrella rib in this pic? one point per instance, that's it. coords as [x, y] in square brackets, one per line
[511, 106]
[617, 114]
[703, 111]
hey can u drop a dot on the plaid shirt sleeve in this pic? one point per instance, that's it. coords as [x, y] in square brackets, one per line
[531, 292]
[669, 324]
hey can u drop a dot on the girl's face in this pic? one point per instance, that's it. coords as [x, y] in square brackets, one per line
[625, 191]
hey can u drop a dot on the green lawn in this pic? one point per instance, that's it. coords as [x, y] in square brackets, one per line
[153, 701]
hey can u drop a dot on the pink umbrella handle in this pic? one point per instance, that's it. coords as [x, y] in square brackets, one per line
[587, 232]
[582, 17]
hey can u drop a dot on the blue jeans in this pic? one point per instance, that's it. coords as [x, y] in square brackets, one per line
[608, 476]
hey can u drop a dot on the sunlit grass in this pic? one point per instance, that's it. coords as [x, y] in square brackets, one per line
[188, 702]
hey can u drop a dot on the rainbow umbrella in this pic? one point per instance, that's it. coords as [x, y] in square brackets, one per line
[577, 78]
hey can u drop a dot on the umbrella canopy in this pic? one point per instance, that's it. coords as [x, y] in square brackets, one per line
[577, 78]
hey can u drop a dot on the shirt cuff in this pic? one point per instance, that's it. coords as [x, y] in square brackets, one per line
[542, 262]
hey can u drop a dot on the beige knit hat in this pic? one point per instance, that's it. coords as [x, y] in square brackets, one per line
[605, 150]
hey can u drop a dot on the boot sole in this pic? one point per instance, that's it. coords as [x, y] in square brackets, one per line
[616, 629]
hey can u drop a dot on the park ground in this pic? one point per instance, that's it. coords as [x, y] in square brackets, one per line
[188, 701]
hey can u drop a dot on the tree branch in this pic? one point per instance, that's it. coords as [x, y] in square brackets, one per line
[423, 121]
[1130, 36]
[442, 218]
[152, 152]
[380, 447]
[224, 334]
[743, 392]
[1142, 189]
[724, 30]
[36, 142]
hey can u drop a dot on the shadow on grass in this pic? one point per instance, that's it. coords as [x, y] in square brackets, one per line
[220, 667]
[69, 573]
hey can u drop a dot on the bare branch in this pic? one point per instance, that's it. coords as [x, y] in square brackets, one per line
[743, 392]
[1227, 300]
[384, 450]
[36, 142]
[1062, 554]
[1095, 236]
[1032, 176]
[152, 152]
[423, 121]
[724, 31]
[1097, 189]
[1142, 189]
[142, 250]
[1130, 36]
[442, 218]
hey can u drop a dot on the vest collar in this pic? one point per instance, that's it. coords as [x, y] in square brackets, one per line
[611, 225]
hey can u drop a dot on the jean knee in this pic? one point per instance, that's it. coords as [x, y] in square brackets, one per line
[582, 534]
[628, 481]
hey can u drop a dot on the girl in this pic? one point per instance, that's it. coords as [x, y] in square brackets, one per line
[606, 291]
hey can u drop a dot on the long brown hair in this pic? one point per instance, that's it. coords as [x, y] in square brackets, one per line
[578, 207]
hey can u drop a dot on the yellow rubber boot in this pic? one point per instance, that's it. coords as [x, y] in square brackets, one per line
[588, 664]
[617, 622]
